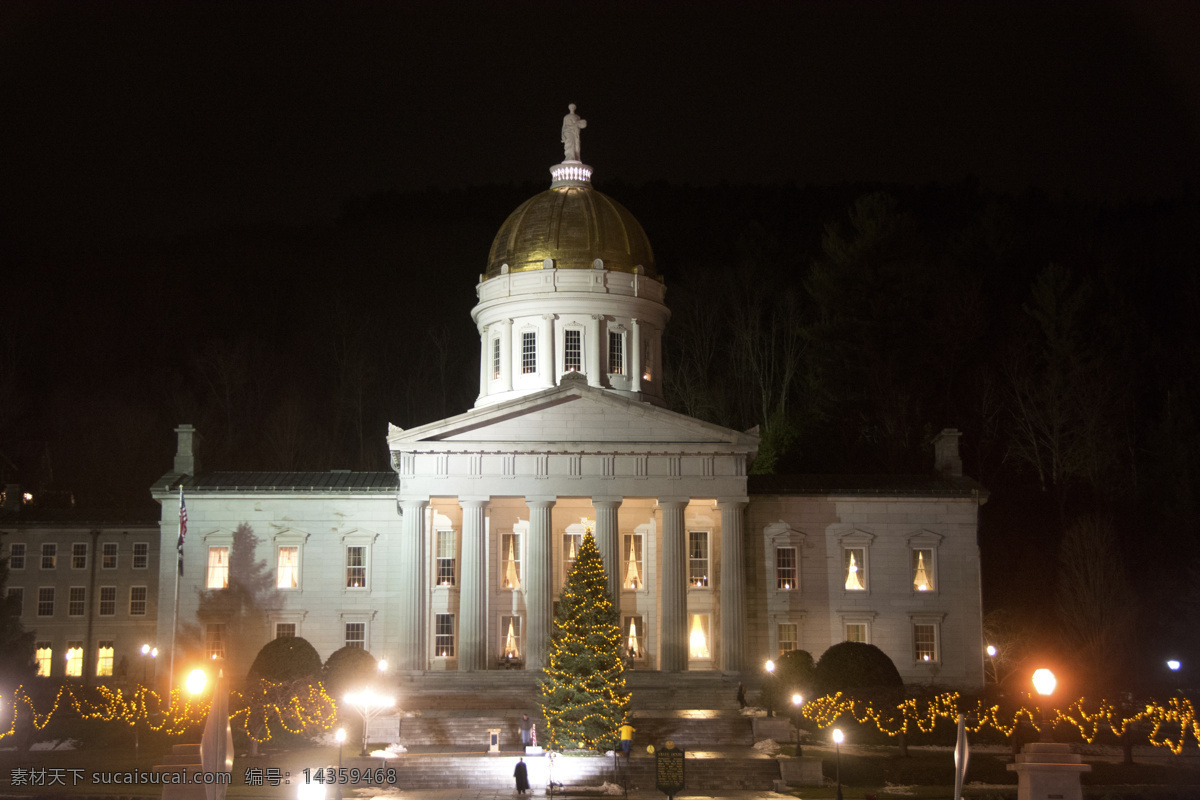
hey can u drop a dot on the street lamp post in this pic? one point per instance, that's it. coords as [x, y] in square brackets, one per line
[769, 687]
[340, 736]
[797, 701]
[1045, 682]
[837, 746]
[369, 705]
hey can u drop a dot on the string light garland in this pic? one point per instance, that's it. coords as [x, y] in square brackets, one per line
[583, 694]
[304, 708]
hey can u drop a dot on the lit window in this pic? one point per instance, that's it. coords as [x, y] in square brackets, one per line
[79, 555]
[510, 560]
[74, 659]
[16, 600]
[42, 654]
[108, 601]
[356, 635]
[698, 637]
[285, 630]
[137, 601]
[510, 633]
[924, 642]
[16, 555]
[104, 658]
[788, 641]
[698, 558]
[571, 544]
[572, 350]
[443, 642]
[76, 598]
[632, 561]
[446, 541]
[856, 632]
[287, 574]
[356, 567]
[214, 640]
[495, 359]
[922, 567]
[108, 555]
[218, 568]
[785, 567]
[633, 637]
[141, 555]
[49, 555]
[854, 567]
[45, 601]
[616, 353]
[528, 352]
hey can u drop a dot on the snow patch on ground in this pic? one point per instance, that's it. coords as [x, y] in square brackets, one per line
[892, 788]
[767, 747]
[56, 744]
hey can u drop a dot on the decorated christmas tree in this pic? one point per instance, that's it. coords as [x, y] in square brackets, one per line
[583, 692]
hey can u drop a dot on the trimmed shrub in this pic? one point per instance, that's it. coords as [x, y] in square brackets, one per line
[853, 666]
[286, 659]
[347, 670]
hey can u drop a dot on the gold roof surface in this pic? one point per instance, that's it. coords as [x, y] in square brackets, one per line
[573, 225]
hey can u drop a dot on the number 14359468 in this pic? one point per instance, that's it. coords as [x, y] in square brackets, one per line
[350, 775]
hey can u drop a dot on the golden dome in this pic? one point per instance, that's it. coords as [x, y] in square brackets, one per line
[574, 225]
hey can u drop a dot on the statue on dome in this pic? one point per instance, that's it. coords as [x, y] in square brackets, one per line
[572, 124]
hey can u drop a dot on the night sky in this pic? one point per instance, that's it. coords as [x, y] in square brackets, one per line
[134, 120]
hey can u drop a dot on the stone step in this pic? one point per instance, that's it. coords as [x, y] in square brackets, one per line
[472, 731]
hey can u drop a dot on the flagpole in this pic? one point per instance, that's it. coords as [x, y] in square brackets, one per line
[175, 610]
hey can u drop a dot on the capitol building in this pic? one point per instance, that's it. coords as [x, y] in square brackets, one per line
[453, 560]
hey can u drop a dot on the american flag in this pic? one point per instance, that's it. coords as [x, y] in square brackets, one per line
[182, 528]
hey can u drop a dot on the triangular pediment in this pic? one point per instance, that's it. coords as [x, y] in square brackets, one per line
[572, 413]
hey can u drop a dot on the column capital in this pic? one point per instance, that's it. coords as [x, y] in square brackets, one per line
[676, 502]
[732, 502]
[414, 504]
[542, 501]
[475, 502]
[607, 502]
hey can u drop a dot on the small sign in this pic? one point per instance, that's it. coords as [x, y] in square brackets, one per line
[384, 729]
[669, 770]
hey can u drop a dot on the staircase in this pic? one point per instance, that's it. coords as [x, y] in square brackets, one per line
[182, 758]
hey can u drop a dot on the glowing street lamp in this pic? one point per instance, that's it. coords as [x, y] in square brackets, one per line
[838, 738]
[148, 653]
[770, 686]
[1174, 665]
[196, 681]
[382, 666]
[369, 705]
[1045, 682]
[797, 701]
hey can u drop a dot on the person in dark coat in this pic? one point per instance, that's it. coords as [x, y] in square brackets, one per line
[741, 695]
[526, 728]
[521, 773]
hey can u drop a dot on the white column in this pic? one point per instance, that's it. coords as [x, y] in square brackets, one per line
[484, 361]
[546, 353]
[608, 542]
[506, 368]
[414, 593]
[539, 586]
[595, 366]
[472, 606]
[635, 358]
[733, 585]
[673, 651]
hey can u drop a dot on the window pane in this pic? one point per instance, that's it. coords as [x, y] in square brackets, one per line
[214, 640]
[787, 637]
[510, 635]
[356, 567]
[444, 636]
[356, 634]
[495, 359]
[633, 562]
[284, 629]
[141, 555]
[571, 544]
[856, 632]
[698, 637]
[75, 601]
[137, 601]
[46, 601]
[634, 637]
[922, 567]
[572, 350]
[924, 642]
[446, 557]
[785, 567]
[74, 659]
[108, 601]
[528, 352]
[698, 558]
[218, 568]
[16, 556]
[510, 560]
[854, 568]
[43, 654]
[288, 574]
[104, 658]
[108, 555]
[49, 556]
[79, 555]
[616, 354]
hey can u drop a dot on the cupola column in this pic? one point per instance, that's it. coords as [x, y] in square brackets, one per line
[506, 377]
[539, 588]
[608, 542]
[595, 372]
[733, 586]
[546, 353]
[673, 651]
[413, 589]
[635, 358]
[472, 613]
[485, 360]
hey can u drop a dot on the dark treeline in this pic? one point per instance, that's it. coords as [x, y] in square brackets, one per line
[850, 323]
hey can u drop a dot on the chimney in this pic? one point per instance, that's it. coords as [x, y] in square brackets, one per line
[185, 453]
[946, 459]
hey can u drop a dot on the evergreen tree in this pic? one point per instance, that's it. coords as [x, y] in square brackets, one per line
[583, 686]
[16, 644]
